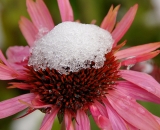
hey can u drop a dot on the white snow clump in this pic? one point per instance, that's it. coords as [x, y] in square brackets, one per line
[71, 46]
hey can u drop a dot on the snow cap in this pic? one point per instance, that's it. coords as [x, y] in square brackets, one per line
[71, 46]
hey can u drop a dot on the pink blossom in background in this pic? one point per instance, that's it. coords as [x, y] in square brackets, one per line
[108, 92]
[156, 73]
[148, 67]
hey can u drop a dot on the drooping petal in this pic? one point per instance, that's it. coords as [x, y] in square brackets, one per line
[140, 58]
[116, 121]
[65, 10]
[132, 112]
[136, 92]
[124, 24]
[109, 21]
[28, 30]
[82, 121]
[39, 14]
[137, 50]
[7, 73]
[142, 80]
[102, 121]
[11, 106]
[49, 119]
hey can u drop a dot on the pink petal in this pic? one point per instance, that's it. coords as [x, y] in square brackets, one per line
[109, 21]
[93, 21]
[142, 80]
[116, 121]
[124, 24]
[11, 106]
[82, 121]
[137, 50]
[17, 53]
[94, 110]
[3, 59]
[130, 127]
[157, 119]
[18, 57]
[140, 58]
[37, 103]
[28, 30]
[49, 119]
[7, 73]
[136, 92]
[132, 112]
[39, 14]
[68, 122]
[102, 121]
[19, 85]
[101, 108]
[65, 10]
[105, 21]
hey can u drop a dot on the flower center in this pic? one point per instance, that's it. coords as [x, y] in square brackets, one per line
[76, 90]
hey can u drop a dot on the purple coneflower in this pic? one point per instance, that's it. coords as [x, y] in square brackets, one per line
[73, 70]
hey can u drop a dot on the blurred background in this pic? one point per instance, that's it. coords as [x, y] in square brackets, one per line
[145, 29]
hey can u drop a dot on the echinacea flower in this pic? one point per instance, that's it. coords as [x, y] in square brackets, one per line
[73, 69]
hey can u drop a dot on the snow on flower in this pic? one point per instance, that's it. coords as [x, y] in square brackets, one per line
[72, 69]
